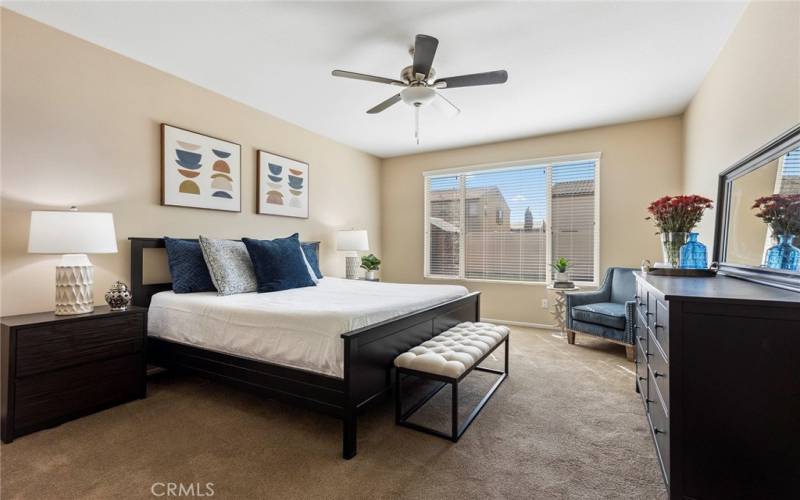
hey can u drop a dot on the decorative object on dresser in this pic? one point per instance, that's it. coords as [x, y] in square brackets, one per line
[560, 306]
[675, 217]
[57, 368]
[607, 312]
[118, 297]
[449, 358]
[200, 171]
[759, 206]
[353, 241]
[371, 264]
[716, 368]
[282, 186]
[72, 234]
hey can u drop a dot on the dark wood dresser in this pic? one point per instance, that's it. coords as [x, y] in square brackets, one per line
[718, 369]
[57, 368]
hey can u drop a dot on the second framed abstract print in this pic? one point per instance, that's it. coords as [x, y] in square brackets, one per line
[282, 186]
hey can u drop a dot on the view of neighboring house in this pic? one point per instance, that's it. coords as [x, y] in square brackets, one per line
[493, 245]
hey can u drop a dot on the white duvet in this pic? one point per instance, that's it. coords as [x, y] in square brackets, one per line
[299, 328]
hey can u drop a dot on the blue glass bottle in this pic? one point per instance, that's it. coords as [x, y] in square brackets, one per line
[784, 255]
[693, 254]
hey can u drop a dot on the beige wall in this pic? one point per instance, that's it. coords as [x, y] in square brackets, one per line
[750, 96]
[81, 126]
[640, 162]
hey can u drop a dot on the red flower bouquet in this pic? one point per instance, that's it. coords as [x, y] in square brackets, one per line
[781, 212]
[678, 214]
[675, 217]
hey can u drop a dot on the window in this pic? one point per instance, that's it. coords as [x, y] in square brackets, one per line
[509, 222]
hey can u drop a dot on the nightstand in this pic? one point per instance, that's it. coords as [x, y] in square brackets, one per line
[59, 368]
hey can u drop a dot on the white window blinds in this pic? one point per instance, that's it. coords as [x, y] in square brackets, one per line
[509, 223]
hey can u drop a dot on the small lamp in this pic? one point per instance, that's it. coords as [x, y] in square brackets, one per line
[354, 240]
[72, 234]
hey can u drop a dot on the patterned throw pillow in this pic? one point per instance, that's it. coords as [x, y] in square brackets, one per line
[279, 263]
[187, 266]
[229, 265]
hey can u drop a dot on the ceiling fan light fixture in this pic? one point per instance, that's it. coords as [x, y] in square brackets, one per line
[417, 96]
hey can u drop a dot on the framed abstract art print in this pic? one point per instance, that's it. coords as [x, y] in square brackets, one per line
[200, 171]
[282, 186]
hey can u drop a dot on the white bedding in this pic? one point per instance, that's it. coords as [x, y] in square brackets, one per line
[299, 328]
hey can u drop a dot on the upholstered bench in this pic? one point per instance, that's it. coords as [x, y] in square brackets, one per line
[449, 358]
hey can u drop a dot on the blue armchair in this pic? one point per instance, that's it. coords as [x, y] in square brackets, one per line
[608, 312]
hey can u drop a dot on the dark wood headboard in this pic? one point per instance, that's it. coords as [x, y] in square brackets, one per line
[142, 293]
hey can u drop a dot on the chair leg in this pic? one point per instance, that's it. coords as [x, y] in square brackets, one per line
[630, 353]
[570, 337]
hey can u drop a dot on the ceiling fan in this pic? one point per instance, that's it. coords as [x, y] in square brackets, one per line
[421, 87]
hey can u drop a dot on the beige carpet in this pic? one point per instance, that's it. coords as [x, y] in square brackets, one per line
[566, 424]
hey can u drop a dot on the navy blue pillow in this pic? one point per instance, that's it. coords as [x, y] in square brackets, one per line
[278, 264]
[187, 267]
[312, 255]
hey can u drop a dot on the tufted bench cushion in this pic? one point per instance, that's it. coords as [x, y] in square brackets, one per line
[455, 351]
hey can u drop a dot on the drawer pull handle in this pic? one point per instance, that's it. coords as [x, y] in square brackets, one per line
[658, 374]
[659, 326]
[648, 401]
[642, 378]
[641, 339]
[648, 354]
[650, 314]
[656, 430]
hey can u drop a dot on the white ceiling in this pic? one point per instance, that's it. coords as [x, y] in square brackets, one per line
[571, 65]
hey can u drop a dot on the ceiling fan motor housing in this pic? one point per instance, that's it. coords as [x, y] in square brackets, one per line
[417, 96]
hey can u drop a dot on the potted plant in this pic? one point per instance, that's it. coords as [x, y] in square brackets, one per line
[781, 212]
[370, 264]
[560, 267]
[675, 217]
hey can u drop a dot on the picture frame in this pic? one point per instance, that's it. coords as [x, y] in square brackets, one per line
[200, 171]
[282, 185]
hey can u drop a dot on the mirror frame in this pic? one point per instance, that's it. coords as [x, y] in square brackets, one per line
[789, 280]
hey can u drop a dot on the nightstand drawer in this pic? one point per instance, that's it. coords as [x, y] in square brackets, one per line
[59, 345]
[51, 398]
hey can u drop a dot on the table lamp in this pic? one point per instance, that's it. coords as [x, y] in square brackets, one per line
[72, 234]
[353, 240]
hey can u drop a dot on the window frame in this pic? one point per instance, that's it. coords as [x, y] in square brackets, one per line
[548, 162]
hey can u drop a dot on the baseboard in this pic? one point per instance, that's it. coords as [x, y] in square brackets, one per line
[541, 326]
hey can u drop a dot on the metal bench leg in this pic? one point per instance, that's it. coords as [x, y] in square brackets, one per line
[454, 403]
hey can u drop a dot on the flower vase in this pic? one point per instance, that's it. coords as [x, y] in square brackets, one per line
[784, 255]
[693, 254]
[671, 244]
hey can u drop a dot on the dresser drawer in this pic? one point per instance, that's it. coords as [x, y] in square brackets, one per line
[56, 396]
[51, 347]
[660, 327]
[641, 371]
[659, 369]
[659, 423]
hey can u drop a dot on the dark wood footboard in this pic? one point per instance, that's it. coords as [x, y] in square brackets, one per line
[368, 356]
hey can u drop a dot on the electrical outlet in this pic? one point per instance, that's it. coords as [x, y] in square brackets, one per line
[545, 304]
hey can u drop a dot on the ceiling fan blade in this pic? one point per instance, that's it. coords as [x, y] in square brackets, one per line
[424, 51]
[489, 78]
[366, 78]
[445, 105]
[385, 104]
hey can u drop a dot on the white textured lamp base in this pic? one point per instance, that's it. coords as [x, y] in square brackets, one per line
[352, 263]
[74, 283]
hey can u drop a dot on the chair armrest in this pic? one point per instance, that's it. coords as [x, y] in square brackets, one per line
[630, 321]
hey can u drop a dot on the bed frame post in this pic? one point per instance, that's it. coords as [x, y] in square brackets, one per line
[349, 410]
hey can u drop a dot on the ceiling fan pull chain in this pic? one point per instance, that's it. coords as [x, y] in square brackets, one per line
[416, 123]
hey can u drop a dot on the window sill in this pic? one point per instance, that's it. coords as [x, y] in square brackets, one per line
[582, 284]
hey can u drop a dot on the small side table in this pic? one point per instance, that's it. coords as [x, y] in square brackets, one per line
[560, 306]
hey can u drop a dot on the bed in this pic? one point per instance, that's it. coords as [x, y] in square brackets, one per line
[329, 348]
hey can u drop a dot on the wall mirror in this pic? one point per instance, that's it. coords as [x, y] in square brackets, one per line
[758, 217]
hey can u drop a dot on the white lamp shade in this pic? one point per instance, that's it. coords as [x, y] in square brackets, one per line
[353, 240]
[72, 232]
